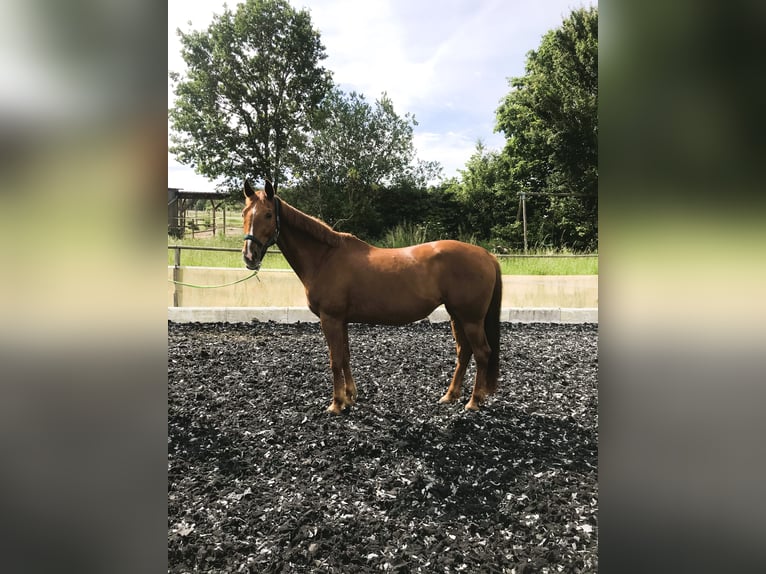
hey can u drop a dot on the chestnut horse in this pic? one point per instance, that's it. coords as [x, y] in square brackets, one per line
[347, 280]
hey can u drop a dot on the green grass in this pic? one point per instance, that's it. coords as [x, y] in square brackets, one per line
[549, 265]
[193, 258]
[512, 265]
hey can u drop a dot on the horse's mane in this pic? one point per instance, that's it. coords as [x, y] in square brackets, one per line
[311, 225]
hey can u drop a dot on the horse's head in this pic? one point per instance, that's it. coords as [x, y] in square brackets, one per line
[261, 224]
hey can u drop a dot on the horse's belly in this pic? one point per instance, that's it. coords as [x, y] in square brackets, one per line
[389, 292]
[395, 307]
[391, 316]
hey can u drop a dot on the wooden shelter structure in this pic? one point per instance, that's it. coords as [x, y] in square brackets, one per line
[179, 202]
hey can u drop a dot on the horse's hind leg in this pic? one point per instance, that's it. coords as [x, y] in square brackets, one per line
[481, 352]
[464, 352]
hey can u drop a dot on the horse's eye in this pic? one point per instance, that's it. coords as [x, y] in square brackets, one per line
[268, 216]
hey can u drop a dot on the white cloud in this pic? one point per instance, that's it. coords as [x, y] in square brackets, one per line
[452, 149]
[184, 177]
[367, 52]
[446, 61]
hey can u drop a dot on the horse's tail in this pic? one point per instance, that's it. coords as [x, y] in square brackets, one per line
[492, 331]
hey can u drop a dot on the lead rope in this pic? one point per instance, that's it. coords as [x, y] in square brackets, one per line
[254, 274]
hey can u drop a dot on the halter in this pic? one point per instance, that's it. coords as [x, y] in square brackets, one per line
[273, 239]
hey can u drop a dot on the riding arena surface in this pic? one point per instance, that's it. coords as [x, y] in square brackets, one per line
[262, 479]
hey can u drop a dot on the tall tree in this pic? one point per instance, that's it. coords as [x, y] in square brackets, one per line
[483, 191]
[359, 152]
[251, 91]
[550, 119]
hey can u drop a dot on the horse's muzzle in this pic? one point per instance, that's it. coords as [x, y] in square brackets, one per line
[252, 263]
[252, 267]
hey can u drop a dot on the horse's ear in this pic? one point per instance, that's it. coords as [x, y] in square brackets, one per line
[269, 190]
[249, 191]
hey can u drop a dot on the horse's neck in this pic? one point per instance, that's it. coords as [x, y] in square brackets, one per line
[303, 252]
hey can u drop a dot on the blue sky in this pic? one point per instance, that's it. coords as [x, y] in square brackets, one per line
[445, 61]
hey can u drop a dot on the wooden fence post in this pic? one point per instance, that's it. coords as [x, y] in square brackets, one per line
[176, 274]
[524, 215]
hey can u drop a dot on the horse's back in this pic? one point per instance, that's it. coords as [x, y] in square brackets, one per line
[434, 259]
[464, 252]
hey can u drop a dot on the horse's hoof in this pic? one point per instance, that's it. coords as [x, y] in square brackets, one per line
[447, 399]
[472, 406]
[335, 408]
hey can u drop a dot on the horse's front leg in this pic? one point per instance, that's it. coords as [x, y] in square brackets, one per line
[336, 334]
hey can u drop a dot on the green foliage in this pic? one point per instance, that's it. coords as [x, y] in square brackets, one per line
[370, 144]
[405, 234]
[484, 193]
[250, 94]
[360, 156]
[256, 103]
[550, 118]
